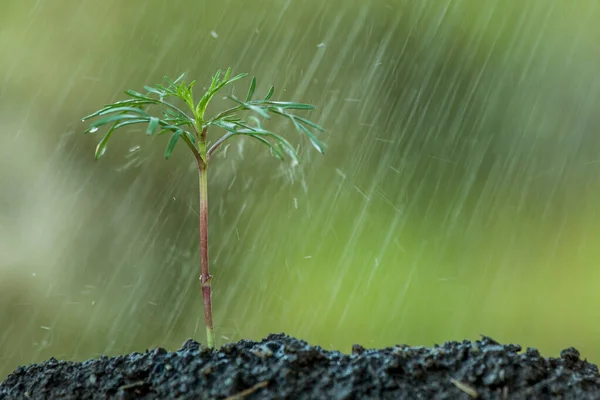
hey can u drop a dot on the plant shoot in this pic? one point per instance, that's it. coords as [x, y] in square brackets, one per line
[187, 122]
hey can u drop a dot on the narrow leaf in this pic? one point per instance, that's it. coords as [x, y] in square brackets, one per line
[277, 152]
[291, 152]
[152, 125]
[215, 80]
[166, 125]
[113, 118]
[179, 78]
[249, 106]
[154, 90]
[169, 113]
[227, 73]
[120, 106]
[176, 81]
[280, 140]
[137, 95]
[312, 138]
[309, 123]
[95, 114]
[134, 102]
[228, 126]
[101, 147]
[291, 105]
[285, 147]
[235, 78]
[191, 137]
[172, 143]
[130, 122]
[270, 92]
[164, 130]
[122, 110]
[251, 90]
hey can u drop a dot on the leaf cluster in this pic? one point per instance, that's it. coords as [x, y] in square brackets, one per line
[191, 125]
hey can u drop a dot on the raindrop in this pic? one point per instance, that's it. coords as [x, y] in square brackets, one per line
[214, 34]
[135, 148]
[93, 129]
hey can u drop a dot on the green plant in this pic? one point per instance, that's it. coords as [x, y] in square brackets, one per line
[191, 127]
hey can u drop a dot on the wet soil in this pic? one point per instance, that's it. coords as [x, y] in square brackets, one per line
[282, 367]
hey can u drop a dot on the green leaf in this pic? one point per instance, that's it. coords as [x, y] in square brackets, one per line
[179, 78]
[215, 79]
[113, 118]
[284, 145]
[137, 95]
[152, 125]
[101, 147]
[215, 86]
[235, 78]
[131, 122]
[138, 103]
[166, 125]
[251, 107]
[112, 108]
[270, 92]
[176, 81]
[311, 137]
[310, 123]
[191, 137]
[251, 89]
[291, 105]
[169, 113]
[172, 143]
[228, 126]
[122, 110]
[154, 90]
[277, 152]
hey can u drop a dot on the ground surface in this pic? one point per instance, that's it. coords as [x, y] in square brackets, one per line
[281, 367]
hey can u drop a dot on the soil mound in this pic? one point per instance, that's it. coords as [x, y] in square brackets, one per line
[282, 367]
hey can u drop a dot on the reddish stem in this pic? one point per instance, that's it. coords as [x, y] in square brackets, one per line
[205, 277]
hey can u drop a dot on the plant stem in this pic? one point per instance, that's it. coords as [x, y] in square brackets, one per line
[218, 143]
[205, 277]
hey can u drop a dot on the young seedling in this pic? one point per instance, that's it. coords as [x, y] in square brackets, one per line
[188, 123]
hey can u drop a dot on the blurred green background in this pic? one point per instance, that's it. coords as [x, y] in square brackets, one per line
[459, 194]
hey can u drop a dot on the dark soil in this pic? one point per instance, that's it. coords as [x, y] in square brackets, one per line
[281, 367]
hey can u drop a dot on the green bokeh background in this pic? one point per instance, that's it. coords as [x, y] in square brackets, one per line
[458, 196]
